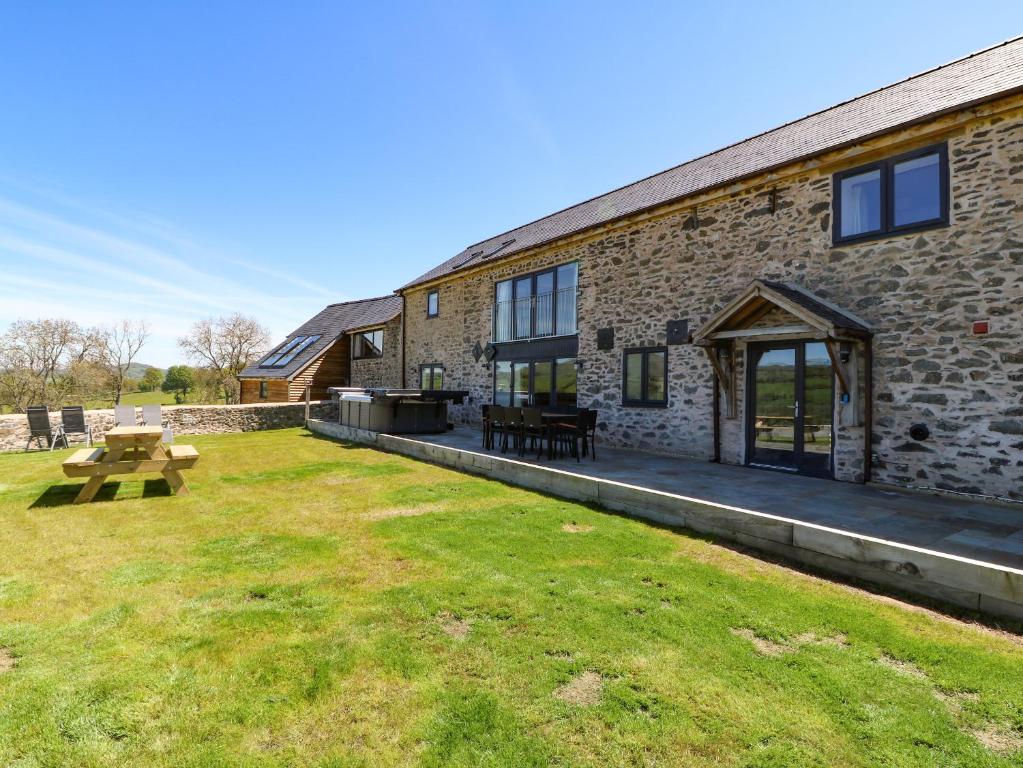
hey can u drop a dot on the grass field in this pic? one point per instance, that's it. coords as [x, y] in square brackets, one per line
[312, 604]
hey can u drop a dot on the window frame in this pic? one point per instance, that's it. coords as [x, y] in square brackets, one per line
[553, 406]
[432, 368]
[431, 294]
[514, 280]
[644, 401]
[264, 389]
[363, 332]
[887, 213]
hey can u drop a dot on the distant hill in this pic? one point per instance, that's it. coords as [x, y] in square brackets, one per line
[138, 370]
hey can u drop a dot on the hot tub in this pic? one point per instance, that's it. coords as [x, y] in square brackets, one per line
[395, 411]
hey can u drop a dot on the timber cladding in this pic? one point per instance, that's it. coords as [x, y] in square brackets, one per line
[919, 292]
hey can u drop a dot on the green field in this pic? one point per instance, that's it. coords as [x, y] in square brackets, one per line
[316, 604]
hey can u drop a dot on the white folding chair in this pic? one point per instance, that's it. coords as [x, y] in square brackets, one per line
[152, 415]
[124, 415]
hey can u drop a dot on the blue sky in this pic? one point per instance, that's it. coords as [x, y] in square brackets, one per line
[184, 160]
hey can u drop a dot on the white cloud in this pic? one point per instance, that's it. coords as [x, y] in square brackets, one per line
[63, 258]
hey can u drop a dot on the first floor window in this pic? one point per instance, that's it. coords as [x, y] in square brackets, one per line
[903, 193]
[433, 303]
[431, 376]
[368, 344]
[547, 383]
[264, 389]
[645, 376]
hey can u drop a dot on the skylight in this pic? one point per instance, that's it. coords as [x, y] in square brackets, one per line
[285, 353]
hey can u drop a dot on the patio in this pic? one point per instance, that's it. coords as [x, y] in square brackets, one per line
[955, 550]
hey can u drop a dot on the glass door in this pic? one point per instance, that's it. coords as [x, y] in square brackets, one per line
[789, 419]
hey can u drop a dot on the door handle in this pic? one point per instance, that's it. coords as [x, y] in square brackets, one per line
[796, 408]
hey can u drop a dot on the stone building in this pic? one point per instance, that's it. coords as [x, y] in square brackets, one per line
[354, 343]
[839, 296]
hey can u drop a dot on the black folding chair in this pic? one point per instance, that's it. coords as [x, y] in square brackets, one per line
[73, 423]
[39, 428]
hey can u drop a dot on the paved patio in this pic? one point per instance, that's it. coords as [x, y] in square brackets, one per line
[992, 533]
[955, 550]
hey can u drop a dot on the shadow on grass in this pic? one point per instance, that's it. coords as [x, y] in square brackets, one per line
[65, 493]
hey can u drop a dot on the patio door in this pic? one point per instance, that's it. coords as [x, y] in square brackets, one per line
[790, 407]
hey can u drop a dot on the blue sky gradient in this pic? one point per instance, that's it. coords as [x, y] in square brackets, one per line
[185, 160]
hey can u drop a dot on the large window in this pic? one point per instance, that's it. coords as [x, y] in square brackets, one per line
[536, 383]
[368, 344]
[901, 194]
[537, 305]
[287, 352]
[431, 376]
[433, 303]
[645, 376]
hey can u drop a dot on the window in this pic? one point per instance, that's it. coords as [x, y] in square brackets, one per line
[433, 303]
[368, 344]
[537, 305]
[285, 353]
[264, 389]
[645, 376]
[901, 194]
[537, 383]
[431, 376]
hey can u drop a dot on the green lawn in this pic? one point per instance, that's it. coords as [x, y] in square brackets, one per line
[312, 604]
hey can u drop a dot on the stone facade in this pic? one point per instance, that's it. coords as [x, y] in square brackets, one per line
[919, 292]
[184, 420]
[381, 371]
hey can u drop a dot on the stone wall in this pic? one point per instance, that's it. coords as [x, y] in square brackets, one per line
[184, 420]
[381, 371]
[920, 292]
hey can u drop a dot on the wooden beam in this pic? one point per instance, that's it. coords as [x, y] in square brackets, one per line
[719, 371]
[836, 363]
[752, 332]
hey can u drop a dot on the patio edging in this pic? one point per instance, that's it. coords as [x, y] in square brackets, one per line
[974, 584]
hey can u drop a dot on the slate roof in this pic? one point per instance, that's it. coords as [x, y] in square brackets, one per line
[979, 77]
[817, 306]
[330, 323]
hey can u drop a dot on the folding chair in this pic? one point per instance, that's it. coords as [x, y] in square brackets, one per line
[124, 415]
[152, 415]
[73, 423]
[39, 427]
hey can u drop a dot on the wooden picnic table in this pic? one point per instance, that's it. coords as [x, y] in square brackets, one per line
[130, 450]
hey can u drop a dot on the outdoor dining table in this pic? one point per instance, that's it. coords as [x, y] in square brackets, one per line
[130, 450]
[552, 419]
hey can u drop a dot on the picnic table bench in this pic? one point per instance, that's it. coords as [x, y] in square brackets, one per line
[130, 450]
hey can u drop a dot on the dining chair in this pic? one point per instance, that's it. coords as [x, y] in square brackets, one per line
[513, 427]
[485, 413]
[496, 424]
[533, 428]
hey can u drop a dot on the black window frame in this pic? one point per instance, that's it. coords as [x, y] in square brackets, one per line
[430, 294]
[432, 368]
[514, 280]
[887, 173]
[531, 363]
[644, 401]
[362, 333]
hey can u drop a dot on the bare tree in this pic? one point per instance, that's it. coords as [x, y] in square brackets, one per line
[226, 345]
[38, 361]
[119, 346]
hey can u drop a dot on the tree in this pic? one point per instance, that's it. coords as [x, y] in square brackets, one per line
[226, 345]
[151, 380]
[44, 362]
[179, 380]
[120, 345]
